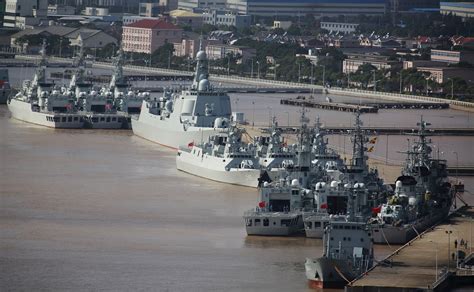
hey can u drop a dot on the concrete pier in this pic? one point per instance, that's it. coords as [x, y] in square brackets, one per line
[427, 263]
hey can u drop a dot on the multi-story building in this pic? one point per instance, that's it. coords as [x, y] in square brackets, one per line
[317, 8]
[462, 9]
[145, 36]
[219, 51]
[354, 61]
[61, 10]
[200, 5]
[452, 57]
[339, 27]
[220, 17]
[444, 74]
[23, 13]
[188, 18]
[410, 5]
[129, 19]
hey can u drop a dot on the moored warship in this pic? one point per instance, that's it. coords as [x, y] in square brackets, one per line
[224, 158]
[423, 195]
[192, 115]
[39, 102]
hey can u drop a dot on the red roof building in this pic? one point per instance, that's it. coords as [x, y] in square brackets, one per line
[147, 35]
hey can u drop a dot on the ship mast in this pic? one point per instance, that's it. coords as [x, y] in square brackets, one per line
[117, 76]
[359, 158]
[201, 72]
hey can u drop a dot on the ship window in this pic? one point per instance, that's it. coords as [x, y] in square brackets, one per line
[257, 222]
[317, 224]
[102, 119]
[76, 119]
[369, 234]
[309, 225]
[95, 119]
[344, 238]
[347, 227]
[63, 119]
[266, 222]
[56, 119]
[249, 222]
[286, 222]
[108, 119]
[294, 192]
[114, 119]
[361, 239]
[69, 119]
[348, 239]
[332, 238]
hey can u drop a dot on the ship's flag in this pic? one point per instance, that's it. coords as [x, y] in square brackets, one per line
[191, 144]
[376, 210]
[373, 140]
[324, 206]
[108, 106]
[261, 204]
[69, 106]
[370, 149]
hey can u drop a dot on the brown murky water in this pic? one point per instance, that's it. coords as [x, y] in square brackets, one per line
[105, 210]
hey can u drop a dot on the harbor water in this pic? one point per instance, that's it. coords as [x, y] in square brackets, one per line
[106, 210]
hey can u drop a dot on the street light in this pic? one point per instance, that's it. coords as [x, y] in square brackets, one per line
[448, 232]
[251, 70]
[436, 264]
[253, 114]
[401, 81]
[452, 87]
[299, 72]
[312, 73]
[258, 69]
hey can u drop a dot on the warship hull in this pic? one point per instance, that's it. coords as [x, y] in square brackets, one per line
[402, 234]
[21, 110]
[202, 167]
[278, 224]
[328, 273]
[169, 134]
[104, 121]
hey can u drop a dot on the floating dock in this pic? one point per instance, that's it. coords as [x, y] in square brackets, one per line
[428, 262]
[365, 108]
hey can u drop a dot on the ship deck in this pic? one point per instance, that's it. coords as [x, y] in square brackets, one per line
[422, 263]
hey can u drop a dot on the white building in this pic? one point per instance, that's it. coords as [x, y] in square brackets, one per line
[339, 27]
[23, 13]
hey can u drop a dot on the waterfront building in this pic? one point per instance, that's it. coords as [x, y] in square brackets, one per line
[341, 27]
[24, 13]
[318, 8]
[188, 18]
[145, 36]
[354, 61]
[452, 57]
[221, 17]
[462, 9]
[218, 51]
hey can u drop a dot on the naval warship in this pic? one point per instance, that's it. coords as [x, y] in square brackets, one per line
[347, 249]
[423, 195]
[224, 158]
[97, 106]
[192, 115]
[39, 102]
[280, 208]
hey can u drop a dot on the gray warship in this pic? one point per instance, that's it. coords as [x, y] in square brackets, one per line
[347, 250]
[40, 102]
[423, 195]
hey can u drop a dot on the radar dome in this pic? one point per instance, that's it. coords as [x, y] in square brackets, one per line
[334, 184]
[203, 85]
[398, 184]
[201, 56]
[294, 183]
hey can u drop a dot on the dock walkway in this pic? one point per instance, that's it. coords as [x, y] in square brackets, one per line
[422, 264]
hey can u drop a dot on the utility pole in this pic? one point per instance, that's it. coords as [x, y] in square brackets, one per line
[258, 69]
[401, 81]
[312, 74]
[251, 70]
[299, 72]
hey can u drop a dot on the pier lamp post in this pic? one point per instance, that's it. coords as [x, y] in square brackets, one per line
[312, 73]
[448, 232]
[258, 69]
[253, 113]
[251, 70]
[457, 165]
[436, 259]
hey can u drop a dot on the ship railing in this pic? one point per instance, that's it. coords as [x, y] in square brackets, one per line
[265, 213]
